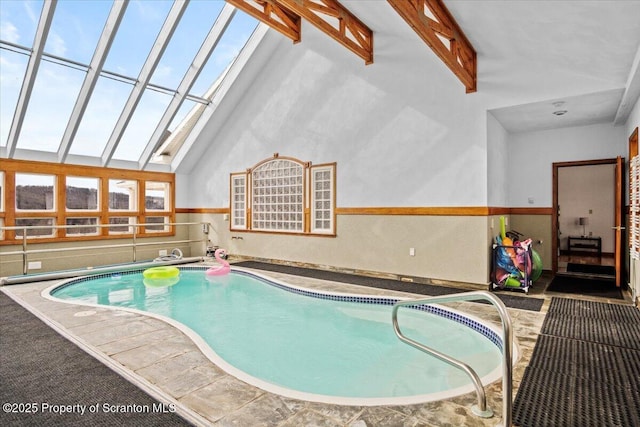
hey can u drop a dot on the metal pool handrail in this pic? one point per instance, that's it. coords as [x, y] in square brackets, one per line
[507, 353]
[134, 243]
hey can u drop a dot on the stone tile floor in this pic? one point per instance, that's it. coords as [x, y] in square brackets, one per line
[167, 364]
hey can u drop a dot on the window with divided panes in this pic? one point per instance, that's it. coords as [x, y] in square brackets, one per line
[55, 202]
[239, 201]
[284, 195]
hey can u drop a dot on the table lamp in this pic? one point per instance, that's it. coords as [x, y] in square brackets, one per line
[583, 221]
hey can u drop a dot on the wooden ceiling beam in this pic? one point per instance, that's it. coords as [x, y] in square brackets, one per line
[273, 14]
[329, 16]
[458, 54]
[337, 22]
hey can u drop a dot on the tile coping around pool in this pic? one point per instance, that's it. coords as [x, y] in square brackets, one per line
[489, 331]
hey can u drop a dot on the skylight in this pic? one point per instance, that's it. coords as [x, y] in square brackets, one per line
[157, 66]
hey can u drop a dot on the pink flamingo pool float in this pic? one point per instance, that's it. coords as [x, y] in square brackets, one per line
[223, 268]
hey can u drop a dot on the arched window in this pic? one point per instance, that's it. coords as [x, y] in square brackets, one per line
[284, 195]
[277, 196]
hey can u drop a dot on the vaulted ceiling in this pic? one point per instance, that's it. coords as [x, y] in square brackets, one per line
[124, 83]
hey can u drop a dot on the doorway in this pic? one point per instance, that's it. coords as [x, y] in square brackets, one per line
[586, 195]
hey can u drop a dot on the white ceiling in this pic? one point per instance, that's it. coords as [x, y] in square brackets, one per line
[579, 52]
[534, 53]
[580, 110]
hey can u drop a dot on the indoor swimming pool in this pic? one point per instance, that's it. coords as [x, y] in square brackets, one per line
[299, 343]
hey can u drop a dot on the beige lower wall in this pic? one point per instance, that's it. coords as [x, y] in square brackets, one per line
[538, 229]
[93, 253]
[448, 248]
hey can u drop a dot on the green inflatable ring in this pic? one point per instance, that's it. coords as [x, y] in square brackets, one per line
[161, 273]
[160, 283]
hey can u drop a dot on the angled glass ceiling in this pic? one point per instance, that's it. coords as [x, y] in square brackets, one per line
[110, 80]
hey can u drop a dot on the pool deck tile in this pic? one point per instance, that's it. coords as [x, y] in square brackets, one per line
[385, 416]
[341, 413]
[166, 363]
[182, 374]
[308, 417]
[141, 357]
[113, 329]
[221, 397]
[135, 341]
[268, 408]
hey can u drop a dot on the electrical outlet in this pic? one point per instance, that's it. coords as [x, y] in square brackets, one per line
[162, 252]
[34, 265]
[412, 251]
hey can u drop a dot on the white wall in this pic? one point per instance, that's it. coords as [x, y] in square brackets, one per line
[182, 190]
[497, 162]
[532, 154]
[398, 141]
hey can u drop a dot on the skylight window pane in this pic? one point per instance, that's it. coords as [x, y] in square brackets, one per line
[100, 117]
[227, 49]
[185, 42]
[54, 95]
[19, 20]
[76, 28]
[137, 33]
[13, 68]
[142, 125]
[182, 113]
[179, 130]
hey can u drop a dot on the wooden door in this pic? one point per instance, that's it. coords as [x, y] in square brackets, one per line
[618, 200]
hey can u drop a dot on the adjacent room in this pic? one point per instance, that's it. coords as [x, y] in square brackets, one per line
[320, 212]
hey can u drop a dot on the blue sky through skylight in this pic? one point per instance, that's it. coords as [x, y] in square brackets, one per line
[74, 33]
[76, 28]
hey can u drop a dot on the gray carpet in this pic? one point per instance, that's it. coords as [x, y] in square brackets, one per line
[607, 270]
[513, 301]
[43, 374]
[585, 368]
[593, 287]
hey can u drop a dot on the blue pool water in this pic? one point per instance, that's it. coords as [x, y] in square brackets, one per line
[303, 341]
